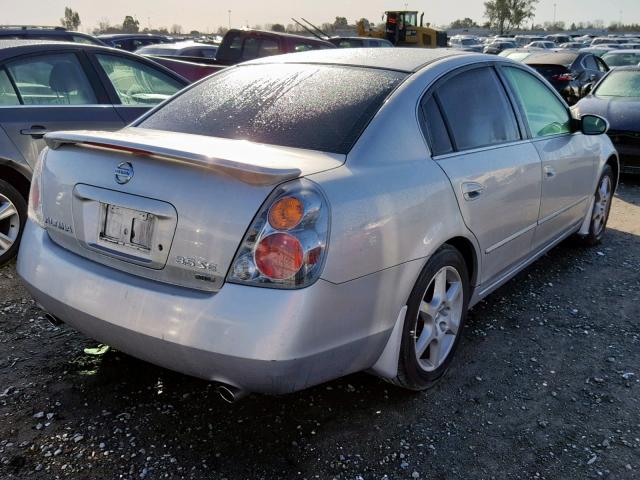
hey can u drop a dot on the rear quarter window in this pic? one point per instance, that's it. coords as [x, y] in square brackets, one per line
[318, 107]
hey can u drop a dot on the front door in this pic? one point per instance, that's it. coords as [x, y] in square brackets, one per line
[477, 141]
[568, 158]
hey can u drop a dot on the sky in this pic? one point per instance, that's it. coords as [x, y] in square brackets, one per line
[208, 15]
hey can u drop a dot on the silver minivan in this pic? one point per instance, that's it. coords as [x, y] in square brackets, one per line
[298, 218]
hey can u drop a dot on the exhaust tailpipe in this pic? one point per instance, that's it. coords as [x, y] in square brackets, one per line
[230, 393]
[53, 320]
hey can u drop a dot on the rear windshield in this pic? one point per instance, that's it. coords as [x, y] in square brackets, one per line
[317, 107]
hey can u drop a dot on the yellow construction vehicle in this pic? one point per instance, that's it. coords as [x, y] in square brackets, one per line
[403, 30]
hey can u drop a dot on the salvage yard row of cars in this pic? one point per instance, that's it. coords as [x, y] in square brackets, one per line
[206, 227]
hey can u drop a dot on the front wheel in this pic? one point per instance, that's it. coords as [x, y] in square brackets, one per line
[435, 317]
[13, 215]
[602, 200]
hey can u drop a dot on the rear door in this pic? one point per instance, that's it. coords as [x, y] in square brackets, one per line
[568, 158]
[55, 91]
[476, 138]
[134, 86]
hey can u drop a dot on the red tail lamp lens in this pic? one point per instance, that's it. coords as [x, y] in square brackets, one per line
[279, 256]
[286, 213]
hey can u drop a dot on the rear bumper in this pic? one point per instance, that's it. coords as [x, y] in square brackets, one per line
[257, 339]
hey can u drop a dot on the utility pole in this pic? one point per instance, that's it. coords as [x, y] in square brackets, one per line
[555, 5]
[229, 19]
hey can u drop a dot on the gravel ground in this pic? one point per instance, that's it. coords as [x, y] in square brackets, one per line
[546, 386]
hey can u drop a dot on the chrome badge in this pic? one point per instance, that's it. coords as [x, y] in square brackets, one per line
[124, 173]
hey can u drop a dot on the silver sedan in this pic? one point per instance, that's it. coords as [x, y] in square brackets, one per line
[298, 218]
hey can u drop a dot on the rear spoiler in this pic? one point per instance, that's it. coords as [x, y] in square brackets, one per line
[248, 162]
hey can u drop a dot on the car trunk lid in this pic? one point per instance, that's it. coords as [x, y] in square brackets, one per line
[172, 207]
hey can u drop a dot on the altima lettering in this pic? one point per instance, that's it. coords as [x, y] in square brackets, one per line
[52, 222]
[199, 263]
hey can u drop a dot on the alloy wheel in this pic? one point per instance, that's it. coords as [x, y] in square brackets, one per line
[9, 224]
[601, 205]
[439, 319]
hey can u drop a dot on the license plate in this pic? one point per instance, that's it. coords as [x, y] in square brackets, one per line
[124, 226]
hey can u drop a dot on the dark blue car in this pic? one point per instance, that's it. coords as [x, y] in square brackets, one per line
[617, 98]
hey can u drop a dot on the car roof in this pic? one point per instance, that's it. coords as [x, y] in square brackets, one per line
[13, 47]
[628, 68]
[277, 34]
[132, 35]
[553, 58]
[179, 45]
[406, 60]
[621, 51]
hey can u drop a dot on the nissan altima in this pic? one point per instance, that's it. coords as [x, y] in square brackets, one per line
[298, 218]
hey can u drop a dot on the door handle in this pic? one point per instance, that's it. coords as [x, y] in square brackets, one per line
[472, 190]
[549, 171]
[36, 131]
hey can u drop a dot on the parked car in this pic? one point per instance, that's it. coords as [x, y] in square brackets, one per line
[496, 47]
[572, 45]
[188, 50]
[617, 98]
[558, 38]
[522, 40]
[133, 41]
[600, 50]
[466, 43]
[360, 42]
[242, 45]
[518, 54]
[544, 45]
[34, 32]
[47, 86]
[287, 222]
[621, 58]
[568, 71]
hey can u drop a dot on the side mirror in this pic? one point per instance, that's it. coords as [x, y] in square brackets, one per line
[586, 89]
[594, 125]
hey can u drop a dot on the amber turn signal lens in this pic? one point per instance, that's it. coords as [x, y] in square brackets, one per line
[286, 213]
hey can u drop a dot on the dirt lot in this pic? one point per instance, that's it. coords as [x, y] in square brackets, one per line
[546, 385]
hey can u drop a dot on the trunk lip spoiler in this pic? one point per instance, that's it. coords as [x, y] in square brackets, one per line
[141, 143]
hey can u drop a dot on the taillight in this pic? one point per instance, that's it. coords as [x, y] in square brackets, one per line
[286, 244]
[34, 211]
[563, 77]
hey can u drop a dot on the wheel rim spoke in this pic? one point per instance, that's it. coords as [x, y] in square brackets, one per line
[426, 337]
[7, 210]
[428, 308]
[5, 242]
[453, 292]
[440, 286]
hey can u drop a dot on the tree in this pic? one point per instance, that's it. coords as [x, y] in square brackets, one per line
[130, 25]
[277, 27]
[71, 19]
[463, 23]
[504, 15]
[341, 22]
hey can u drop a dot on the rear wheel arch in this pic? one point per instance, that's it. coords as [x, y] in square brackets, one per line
[468, 251]
[12, 175]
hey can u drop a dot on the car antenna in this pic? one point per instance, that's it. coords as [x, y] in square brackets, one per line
[308, 29]
[316, 28]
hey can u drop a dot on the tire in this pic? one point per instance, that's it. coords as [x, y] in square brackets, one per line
[432, 322]
[13, 216]
[603, 197]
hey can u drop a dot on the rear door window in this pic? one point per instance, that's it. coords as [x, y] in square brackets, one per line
[52, 79]
[590, 63]
[318, 107]
[545, 113]
[137, 83]
[8, 95]
[477, 109]
[435, 127]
